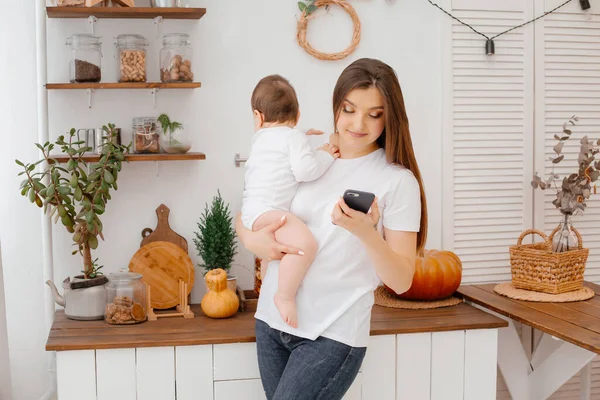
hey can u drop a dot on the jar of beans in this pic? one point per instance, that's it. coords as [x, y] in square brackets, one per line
[176, 58]
[131, 51]
[86, 54]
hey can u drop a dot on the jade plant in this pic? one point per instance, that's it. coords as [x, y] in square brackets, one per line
[75, 192]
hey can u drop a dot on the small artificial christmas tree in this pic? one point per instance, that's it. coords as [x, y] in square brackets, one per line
[215, 240]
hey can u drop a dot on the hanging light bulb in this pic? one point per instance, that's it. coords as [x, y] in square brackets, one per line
[585, 4]
[587, 9]
[490, 48]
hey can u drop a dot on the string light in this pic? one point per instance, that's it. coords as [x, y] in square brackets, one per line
[490, 47]
[585, 4]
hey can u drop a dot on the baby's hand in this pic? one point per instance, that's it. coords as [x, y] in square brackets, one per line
[334, 139]
[333, 150]
[314, 132]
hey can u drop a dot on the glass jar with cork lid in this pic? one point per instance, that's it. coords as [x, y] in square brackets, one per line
[146, 135]
[125, 298]
[86, 54]
[176, 58]
[131, 51]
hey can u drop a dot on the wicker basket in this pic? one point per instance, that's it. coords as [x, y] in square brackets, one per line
[536, 267]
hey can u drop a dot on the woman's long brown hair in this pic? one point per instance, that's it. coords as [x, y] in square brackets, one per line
[395, 139]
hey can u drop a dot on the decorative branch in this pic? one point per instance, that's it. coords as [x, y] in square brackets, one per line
[575, 188]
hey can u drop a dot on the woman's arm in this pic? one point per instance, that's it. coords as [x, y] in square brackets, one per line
[394, 257]
[262, 242]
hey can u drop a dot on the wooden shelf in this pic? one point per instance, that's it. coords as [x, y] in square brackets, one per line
[124, 85]
[125, 12]
[140, 157]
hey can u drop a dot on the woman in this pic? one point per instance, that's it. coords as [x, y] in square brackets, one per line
[321, 357]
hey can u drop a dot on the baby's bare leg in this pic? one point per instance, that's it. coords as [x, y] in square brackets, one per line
[263, 220]
[293, 267]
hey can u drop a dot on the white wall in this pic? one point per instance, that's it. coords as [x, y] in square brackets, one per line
[20, 223]
[235, 44]
[5, 382]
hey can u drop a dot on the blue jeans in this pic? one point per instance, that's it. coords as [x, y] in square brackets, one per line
[294, 368]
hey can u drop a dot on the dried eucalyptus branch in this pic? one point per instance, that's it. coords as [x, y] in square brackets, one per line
[576, 188]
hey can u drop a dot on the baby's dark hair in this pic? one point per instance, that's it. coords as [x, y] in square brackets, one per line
[276, 99]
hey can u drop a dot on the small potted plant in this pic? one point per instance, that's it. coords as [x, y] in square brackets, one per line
[572, 190]
[215, 238]
[175, 139]
[76, 194]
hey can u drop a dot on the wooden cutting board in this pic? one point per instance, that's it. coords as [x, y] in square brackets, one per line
[163, 232]
[162, 264]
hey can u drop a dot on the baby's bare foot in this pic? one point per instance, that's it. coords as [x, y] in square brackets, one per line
[287, 309]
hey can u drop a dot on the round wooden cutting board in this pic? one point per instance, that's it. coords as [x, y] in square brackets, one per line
[162, 264]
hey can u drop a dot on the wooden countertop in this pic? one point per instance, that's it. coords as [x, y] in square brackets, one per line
[67, 334]
[575, 322]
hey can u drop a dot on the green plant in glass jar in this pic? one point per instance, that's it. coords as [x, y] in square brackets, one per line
[174, 138]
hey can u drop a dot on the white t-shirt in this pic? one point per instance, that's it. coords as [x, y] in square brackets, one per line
[280, 158]
[336, 295]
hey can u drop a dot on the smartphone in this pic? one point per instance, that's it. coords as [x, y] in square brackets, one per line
[358, 200]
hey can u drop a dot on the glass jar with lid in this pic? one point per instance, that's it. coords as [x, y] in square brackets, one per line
[131, 51]
[146, 135]
[176, 58]
[86, 55]
[125, 298]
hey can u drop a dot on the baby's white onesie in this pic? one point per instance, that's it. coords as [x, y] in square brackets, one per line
[280, 158]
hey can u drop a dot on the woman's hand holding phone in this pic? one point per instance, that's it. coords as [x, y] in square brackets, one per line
[356, 222]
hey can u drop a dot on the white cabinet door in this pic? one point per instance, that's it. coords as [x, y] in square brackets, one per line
[355, 391]
[447, 365]
[235, 361]
[116, 374]
[155, 373]
[379, 369]
[194, 372]
[248, 389]
[76, 375]
[413, 373]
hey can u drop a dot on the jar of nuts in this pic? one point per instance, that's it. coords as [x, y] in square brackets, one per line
[86, 54]
[176, 58]
[125, 298]
[131, 51]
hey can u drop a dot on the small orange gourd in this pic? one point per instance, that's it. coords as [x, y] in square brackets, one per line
[219, 301]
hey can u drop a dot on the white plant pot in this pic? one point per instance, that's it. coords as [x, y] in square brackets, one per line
[81, 304]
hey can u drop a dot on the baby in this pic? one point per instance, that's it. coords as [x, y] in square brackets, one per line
[280, 158]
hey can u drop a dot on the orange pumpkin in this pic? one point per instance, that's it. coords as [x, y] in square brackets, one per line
[437, 275]
[219, 301]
